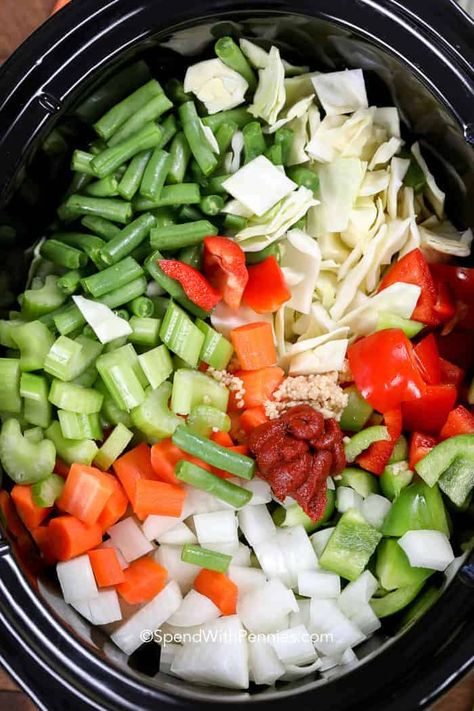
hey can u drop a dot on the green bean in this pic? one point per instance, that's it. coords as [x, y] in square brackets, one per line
[123, 313]
[89, 244]
[81, 162]
[231, 54]
[128, 239]
[182, 235]
[132, 104]
[100, 226]
[123, 294]
[175, 90]
[62, 254]
[97, 146]
[132, 178]
[196, 172]
[206, 558]
[171, 286]
[66, 213]
[189, 213]
[235, 223]
[303, 176]
[224, 135]
[273, 250]
[112, 158]
[149, 112]
[142, 307]
[214, 454]
[240, 116]
[196, 138]
[164, 217]
[214, 185]
[212, 204]
[169, 128]
[254, 141]
[180, 154]
[191, 255]
[171, 195]
[112, 278]
[105, 187]
[160, 304]
[110, 208]
[78, 183]
[275, 154]
[141, 252]
[155, 174]
[70, 282]
[284, 138]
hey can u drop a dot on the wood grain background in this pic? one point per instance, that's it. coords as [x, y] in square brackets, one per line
[18, 18]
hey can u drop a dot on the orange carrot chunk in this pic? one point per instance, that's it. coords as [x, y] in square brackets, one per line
[106, 567]
[42, 538]
[218, 588]
[9, 517]
[222, 438]
[254, 345]
[164, 457]
[71, 537]
[30, 513]
[159, 498]
[144, 579]
[115, 507]
[132, 466]
[251, 418]
[260, 384]
[85, 493]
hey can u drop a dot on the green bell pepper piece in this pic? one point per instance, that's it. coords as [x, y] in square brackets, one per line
[46, 492]
[457, 481]
[24, 461]
[362, 440]
[357, 411]
[351, 545]
[295, 516]
[395, 601]
[361, 481]
[417, 507]
[393, 568]
[400, 451]
[443, 455]
[388, 320]
[395, 477]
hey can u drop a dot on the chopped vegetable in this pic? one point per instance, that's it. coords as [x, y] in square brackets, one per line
[143, 580]
[195, 285]
[106, 567]
[218, 588]
[224, 266]
[254, 345]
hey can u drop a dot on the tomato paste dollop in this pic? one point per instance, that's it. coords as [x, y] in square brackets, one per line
[296, 453]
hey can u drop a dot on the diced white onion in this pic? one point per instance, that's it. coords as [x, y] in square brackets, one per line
[155, 526]
[242, 556]
[256, 524]
[320, 538]
[266, 608]
[335, 631]
[347, 498]
[357, 593]
[365, 619]
[106, 325]
[196, 609]
[216, 527]
[246, 578]
[184, 573]
[294, 646]
[261, 490]
[265, 667]
[293, 671]
[167, 654]
[198, 501]
[77, 579]
[319, 583]
[375, 508]
[302, 616]
[101, 610]
[427, 549]
[128, 537]
[178, 536]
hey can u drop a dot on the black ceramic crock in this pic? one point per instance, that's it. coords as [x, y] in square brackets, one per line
[415, 53]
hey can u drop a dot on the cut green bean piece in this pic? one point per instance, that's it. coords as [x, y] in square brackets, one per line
[224, 135]
[106, 187]
[205, 558]
[129, 239]
[155, 174]
[146, 331]
[180, 154]
[175, 90]
[124, 294]
[142, 306]
[113, 277]
[273, 250]
[71, 451]
[240, 116]
[235, 223]
[81, 162]
[149, 112]
[69, 283]
[222, 489]
[164, 216]
[110, 208]
[214, 454]
[100, 226]
[192, 255]
[284, 139]
[63, 255]
[254, 141]
[130, 106]
[132, 178]
[156, 365]
[172, 196]
[169, 127]
[171, 286]
[112, 158]
[212, 204]
[189, 213]
[89, 244]
[303, 176]
[231, 54]
[182, 235]
[114, 445]
[215, 185]
[198, 143]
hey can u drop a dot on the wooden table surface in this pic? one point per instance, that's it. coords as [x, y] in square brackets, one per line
[18, 18]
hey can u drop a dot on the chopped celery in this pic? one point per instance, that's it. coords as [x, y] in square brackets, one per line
[192, 388]
[77, 426]
[123, 376]
[180, 334]
[69, 320]
[24, 461]
[388, 320]
[67, 396]
[153, 417]
[10, 400]
[295, 516]
[46, 492]
[417, 507]
[457, 481]
[400, 451]
[113, 446]
[395, 477]
[87, 378]
[6, 328]
[34, 390]
[364, 483]
[62, 355]
[157, 365]
[363, 439]
[111, 413]
[37, 302]
[146, 331]
[205, 558]
[34, 434]
[393, 568]
[124, 353]
[216, 350]
[350, 546]
[33, 339]
[357, 411]
[395, 601]
[82, 451]
[205, 419]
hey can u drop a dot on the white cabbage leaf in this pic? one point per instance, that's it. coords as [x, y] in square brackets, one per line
[258, 57]
[375, 181]
[389, 119]
[341, 92]
[444, 238]
[315, 323]
[339, 185]
[407, 209]
[300, 138]
[309, 344]
[301, 257]
[395, 237]
[341, 136]
[259, 185]
[234, 207]
[435, 195]
[295, 111]
[326, 288]
[399, 298]
[269, 97]
[385, 152]
[398, 169]
[215, 84]
[361, 219]
[324, 359]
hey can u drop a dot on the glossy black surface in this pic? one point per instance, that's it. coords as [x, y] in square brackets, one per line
[415, 54]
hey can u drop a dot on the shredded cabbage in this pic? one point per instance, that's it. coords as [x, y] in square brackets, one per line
[341, 92]
[269, 97]
[216, 85]
[301, 257]
[435, 195]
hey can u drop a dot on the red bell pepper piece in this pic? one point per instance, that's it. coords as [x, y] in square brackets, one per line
[266, 289]
[413, 269]
[444, 307]
[376, 457]
[195, 285]
[420, 445]
[384, 369]
[460, 282]
[458, 347]
[224, 266]
[460, 421]
[428, 361]
[450, 373]
[429, 412]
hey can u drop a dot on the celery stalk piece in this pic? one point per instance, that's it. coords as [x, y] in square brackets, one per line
[80, 426]
[113, 447]
[67, 396]
[25, 462]
[181, 336]
[6, 328]
[153, 416]
[59, 361]
[33, 339]
[205, 419]
[192, 388]
[34, 390]
[37, 302]
[122, 384]
[146, 331]
[82, 451]
[33, 434]
[157, 365]
[111, 413]
[10, 400]
[125, 353]
[216, 350]
[46, 492]
[350, 546]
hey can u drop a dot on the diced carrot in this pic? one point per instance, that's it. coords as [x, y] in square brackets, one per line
[253, 417]
[132, 466]
[218, 588]
[222, 438]
[42, 538]
[85, 493]
[240, 449]
[164, 457]
[260, 384]
[106, 567]
[144, 578]
[59, 4]
[71, 537]
[254, 345]
[9, 516]
[30, 513]
[115, 507]
[158, 498]
[61, 468]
